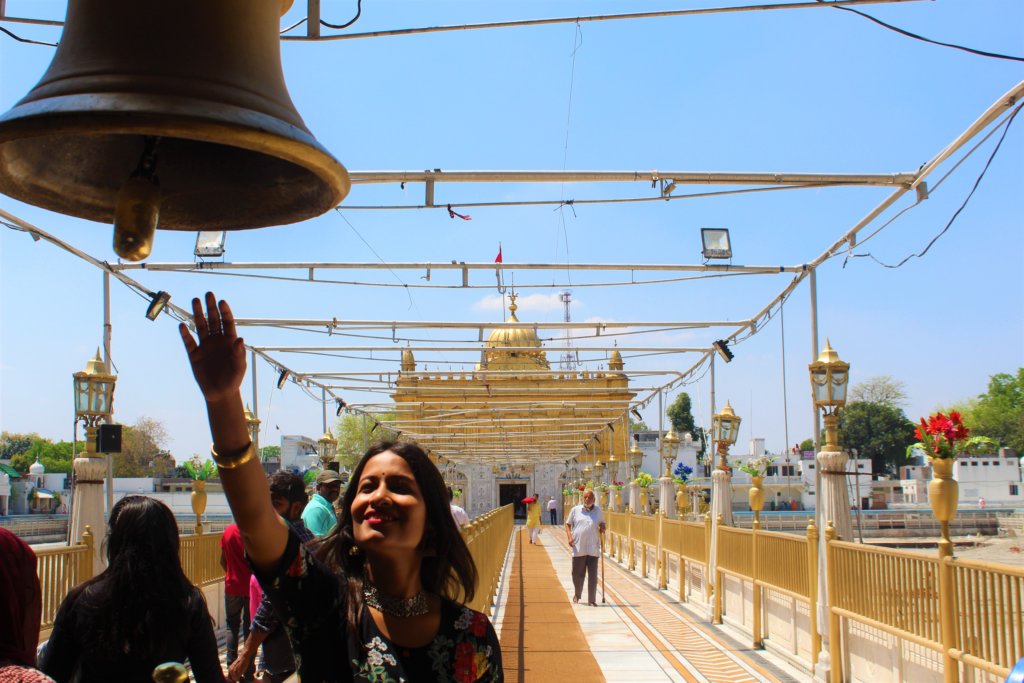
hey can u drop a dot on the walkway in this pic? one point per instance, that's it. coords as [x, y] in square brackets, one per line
[636, 634]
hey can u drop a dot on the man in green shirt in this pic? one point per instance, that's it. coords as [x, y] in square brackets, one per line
[319, 516]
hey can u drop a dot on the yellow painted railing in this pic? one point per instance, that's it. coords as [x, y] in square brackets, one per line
[897, 592]
[989, 605]
[783, 563]
[61, 568]
[200, 558]
[487, 537]
[734, 554]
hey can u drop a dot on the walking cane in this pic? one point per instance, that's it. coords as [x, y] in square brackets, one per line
[602, 569]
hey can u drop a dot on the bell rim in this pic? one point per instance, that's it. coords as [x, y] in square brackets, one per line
[246, 129]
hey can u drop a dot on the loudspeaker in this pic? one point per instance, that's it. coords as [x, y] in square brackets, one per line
[108, 438]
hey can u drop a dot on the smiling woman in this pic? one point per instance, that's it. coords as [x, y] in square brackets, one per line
[376, 601]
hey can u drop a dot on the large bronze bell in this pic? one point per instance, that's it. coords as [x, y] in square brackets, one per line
[172, 108]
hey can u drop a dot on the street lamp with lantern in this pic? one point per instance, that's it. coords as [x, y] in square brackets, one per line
[94, 402]
[327, 447]
[252, 423]
[636, 459]
[829, 377]
[94, 399]
[725, 427]
[669, 449]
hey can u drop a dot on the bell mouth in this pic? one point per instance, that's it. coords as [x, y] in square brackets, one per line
[219, 167]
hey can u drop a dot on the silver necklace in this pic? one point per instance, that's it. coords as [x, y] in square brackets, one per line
[415, 606]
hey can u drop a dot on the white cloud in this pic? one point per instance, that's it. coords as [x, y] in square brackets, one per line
[528, 302]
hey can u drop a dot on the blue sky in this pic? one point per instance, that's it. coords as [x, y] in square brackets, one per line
[817, 90]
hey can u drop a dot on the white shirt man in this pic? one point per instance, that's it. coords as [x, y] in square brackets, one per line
[553, 510]
[583, 527]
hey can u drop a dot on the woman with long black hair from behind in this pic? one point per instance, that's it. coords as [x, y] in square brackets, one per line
[140, 612]
[380, 601]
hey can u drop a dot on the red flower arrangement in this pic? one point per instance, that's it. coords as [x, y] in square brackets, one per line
[940, 434]
[583, 488]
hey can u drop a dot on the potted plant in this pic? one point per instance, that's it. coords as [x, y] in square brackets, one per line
[756, 468]
[681, 475]
[942, 438]
[200, 472]
[644, 481]
[616, 486]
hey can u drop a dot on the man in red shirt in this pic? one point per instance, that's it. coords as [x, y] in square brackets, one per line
[236, 589]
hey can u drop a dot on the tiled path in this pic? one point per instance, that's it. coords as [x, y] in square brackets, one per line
[637, 634]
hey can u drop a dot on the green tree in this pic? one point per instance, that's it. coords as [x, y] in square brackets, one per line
[55, 457]
[999, 412]
[143, 453]
[680, 414]
[878, 431]
[348, 430]
[13, 444]
[637, 426]
[270, 453]
[881, 389]
[806, 445]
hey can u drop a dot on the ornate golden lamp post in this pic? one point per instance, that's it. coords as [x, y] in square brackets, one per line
[725, 427]
[252, 423]
[829, 377]
[636, 459]
[94, 402]
[327, 447]
[669, 449]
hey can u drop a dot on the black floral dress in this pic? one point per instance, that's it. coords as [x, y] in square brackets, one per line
[310, 600]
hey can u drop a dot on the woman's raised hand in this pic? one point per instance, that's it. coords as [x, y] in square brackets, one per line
[218, 358]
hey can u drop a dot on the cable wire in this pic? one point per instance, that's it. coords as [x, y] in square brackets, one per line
[962, 206]
[359, 11]
[983, 53]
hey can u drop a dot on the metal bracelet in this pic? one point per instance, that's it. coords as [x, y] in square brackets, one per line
[234, 459]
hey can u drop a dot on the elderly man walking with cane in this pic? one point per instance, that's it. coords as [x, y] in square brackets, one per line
[582, 527]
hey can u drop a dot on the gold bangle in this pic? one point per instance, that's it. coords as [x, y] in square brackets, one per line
[234, 459]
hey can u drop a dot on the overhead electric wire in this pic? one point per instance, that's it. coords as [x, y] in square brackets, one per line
[587, 19]
[956, 213]
[983, 53]
[572, 202]
[359, 11]
[26, 40]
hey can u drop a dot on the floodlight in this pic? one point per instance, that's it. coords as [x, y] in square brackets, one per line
[716, 243]
[341, 407]
[636, 413]
[157, 305]
[283, 377]
[722, 347]
[210, 243]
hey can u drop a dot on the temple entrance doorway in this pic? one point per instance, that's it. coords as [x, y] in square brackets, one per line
[513, 493]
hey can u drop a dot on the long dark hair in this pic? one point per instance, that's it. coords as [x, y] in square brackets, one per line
[447, 568]
[142, 598]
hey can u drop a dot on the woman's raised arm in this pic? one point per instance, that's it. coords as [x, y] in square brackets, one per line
[218, 364]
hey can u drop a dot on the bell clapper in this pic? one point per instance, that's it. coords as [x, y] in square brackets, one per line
[138, 207]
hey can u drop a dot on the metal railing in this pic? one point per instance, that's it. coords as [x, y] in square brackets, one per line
[61, 568]
[487, 537]
[894, 591]
[989, 604]
[200, 558]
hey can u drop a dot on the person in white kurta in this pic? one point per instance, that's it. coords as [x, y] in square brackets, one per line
[583, 526]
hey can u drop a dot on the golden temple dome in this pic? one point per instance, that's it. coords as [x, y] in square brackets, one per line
[496, 357]
[408, 361]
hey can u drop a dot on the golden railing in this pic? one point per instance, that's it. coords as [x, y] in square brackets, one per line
[989, 606]
[783, 563]
[60, 569]
[893, 591]
[200, 558]
[487, 537]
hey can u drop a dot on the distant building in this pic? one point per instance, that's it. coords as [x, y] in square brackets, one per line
[298, 453]
[997, 480]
